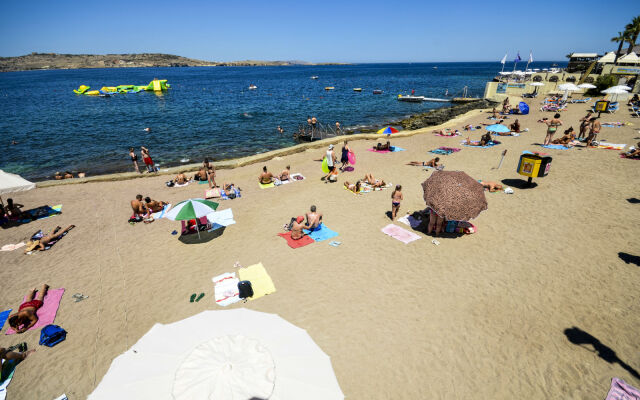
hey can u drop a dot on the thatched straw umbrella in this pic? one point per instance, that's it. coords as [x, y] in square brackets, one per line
[454, 195]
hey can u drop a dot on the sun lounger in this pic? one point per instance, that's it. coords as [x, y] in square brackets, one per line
[261, 282]
[47, 313]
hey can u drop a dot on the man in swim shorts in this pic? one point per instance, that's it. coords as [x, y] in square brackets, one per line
[138, 208]
[26, 316]
[314, 218]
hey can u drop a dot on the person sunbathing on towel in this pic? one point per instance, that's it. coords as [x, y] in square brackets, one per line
[484, 140]
[286, 173]
[55, 235]
[154, 205]
[491, 186]
[26, 316]
[431, 163]
[568, 137]
[138, 208]
[354, 187]
[296, 228]
[14, 355]
[229, 190]
[201, 175]
[266, 177]
[380, 146]
[180, 179]
[446, 132]
[632, 152]
[314, 219]
[515, 127]
[376, 183]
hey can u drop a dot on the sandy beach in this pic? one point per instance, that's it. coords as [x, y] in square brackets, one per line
[481, 316]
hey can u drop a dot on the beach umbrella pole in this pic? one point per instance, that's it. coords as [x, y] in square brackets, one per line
[502, 159]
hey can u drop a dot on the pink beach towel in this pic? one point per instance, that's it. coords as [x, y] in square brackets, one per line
[401, 234]
[621, 390]
[296, 243]
[47, 313]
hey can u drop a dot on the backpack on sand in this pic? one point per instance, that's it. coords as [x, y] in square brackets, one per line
[51, 335]
[245, 290]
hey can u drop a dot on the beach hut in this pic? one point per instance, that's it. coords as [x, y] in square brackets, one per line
[11, 183]
[230, 354]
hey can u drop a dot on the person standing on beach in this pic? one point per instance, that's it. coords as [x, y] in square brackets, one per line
[146, 157]
[211, 173]
[396, 198]
[331, 161]
[344, 157]
[594, 129]
[134, 159]
[552, 127]
[584, 124]
[338, 128]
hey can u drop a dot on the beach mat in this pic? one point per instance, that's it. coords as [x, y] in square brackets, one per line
[621, 390]
[223, 194]
[202, 182]
[266, 185]
[393, 150]
[226, 289]
[3, 317]
[261, 282]
[555, 146]
[321, 233]
[47, 313]
[441, 135]
[296, 243]
[400, 234]
[611, 146]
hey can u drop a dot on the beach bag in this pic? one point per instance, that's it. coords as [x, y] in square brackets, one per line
[51, 335]
[215, 192]
[244, 289]
[170, 183]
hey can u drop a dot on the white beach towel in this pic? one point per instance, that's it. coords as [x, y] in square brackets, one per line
[611, 146]
[161, 214]
[226, 289]
[409, 220]
[3, 386]
[218, 219]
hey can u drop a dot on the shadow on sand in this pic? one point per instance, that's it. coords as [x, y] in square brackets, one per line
[629, 258]
[583, 339]
[205, 236]
[519, 183]
[633, 200]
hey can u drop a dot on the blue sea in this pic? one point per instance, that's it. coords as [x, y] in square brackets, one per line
[208, 112]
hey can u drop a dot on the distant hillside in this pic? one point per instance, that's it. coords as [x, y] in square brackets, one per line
[76, 61]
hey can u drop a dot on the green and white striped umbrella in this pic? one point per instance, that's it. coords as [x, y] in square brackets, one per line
[191, 209]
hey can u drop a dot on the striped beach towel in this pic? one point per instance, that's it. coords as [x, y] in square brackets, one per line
[621, 390]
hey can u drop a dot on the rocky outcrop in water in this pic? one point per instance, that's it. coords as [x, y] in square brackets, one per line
[442, 115]
[77, 61]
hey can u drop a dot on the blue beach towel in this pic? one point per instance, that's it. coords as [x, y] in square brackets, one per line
[224, 196]
[3, 317]
[321, 233]
[396, 148]
[555, 146]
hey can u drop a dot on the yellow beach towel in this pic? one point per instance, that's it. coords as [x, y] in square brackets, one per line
[266, 185]
[261, 282]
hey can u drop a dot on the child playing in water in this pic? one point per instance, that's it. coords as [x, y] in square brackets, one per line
[396, 198]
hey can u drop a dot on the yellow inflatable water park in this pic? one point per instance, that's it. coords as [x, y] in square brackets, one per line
[156, 85]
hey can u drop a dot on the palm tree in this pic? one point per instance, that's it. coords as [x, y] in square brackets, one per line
[621, 38]
[633, 31]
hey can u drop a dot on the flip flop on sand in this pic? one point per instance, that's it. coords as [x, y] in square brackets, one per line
[79, 297]
[200, 297]
[193, 298]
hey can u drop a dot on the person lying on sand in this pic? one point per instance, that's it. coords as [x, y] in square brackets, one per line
[446, 132]
[484, 140]
[180, 179]
[491, 186]
[42, 243]
[285, 174]
[633, 152]
[515, 127]
[154, 205]
[314, 219]
[138, 208]
[431, 163]
[6, 354]
[380, 146]
[229, 190]
[354, 187]
[265, 177]
[26, 316]
[376, 183]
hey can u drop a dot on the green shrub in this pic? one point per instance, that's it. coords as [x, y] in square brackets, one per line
[603, 82]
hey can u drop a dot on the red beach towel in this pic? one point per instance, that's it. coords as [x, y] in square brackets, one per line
[294, 244]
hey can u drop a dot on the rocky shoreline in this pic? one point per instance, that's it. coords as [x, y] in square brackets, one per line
[53, 61]
[442, 115]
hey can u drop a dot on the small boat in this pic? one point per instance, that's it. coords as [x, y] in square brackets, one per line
[436, 99]
[314, 77]
[377, 91]
[253, 87]
[329, 88]
[411, 99]
[358, 89]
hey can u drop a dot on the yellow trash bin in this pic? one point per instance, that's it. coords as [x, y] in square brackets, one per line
[533, 166]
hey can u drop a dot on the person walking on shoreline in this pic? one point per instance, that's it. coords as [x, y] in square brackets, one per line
[134, 159]
[552, 127]
[331, 162]
[146, 157]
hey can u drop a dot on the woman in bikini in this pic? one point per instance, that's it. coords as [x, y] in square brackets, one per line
[26, 316]
[355, 188]
[566, 140]
[211, 172]
[552, 127]
[134, 159]
[584, 124]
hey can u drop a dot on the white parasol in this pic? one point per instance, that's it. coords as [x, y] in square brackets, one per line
[11, 183]
[586, 86]
[231, 354]
[567, 87]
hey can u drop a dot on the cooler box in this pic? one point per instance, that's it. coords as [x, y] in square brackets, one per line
[534, 166]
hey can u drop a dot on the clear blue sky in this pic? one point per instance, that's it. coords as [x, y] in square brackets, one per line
[343, 31]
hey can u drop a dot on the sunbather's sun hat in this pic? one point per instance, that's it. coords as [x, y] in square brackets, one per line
[300, 219]
[330, 147]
